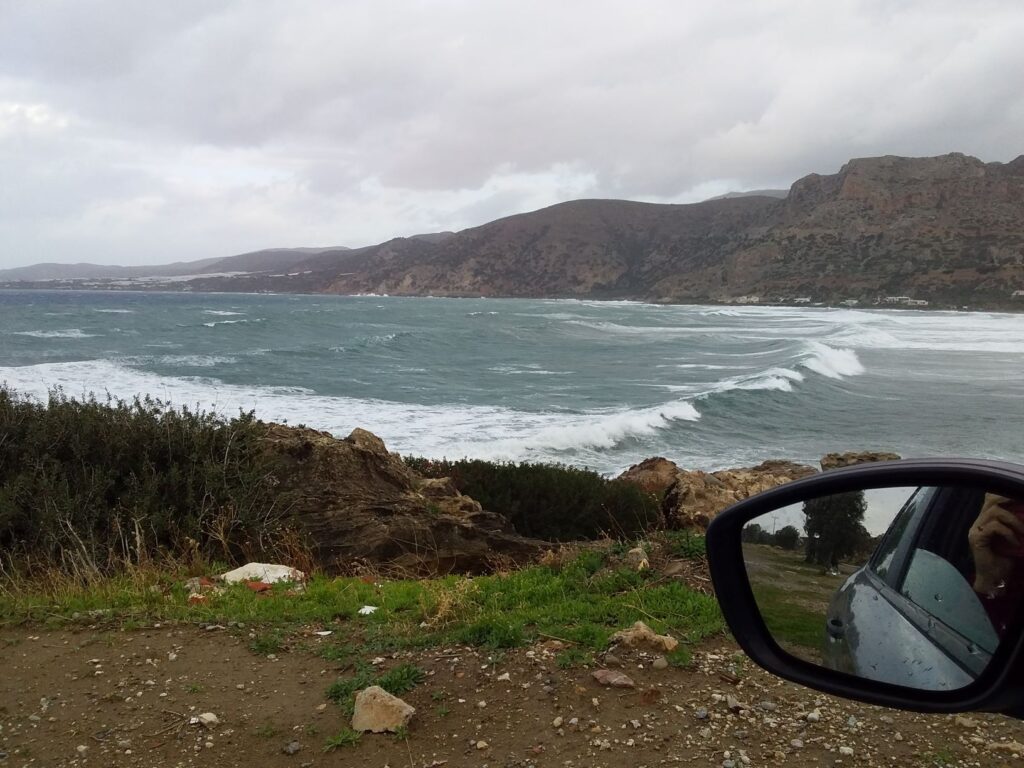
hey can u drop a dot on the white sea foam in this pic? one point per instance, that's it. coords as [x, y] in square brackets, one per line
[831, 362]
[215, 323]
[221, 312]
[431, 430]
[115, 311]
[68, 333]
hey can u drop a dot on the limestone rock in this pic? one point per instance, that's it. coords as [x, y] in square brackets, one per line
[654, 475]
[378, 711]
[837, 460]
[696, 497]
[640, 635]
[358, 503]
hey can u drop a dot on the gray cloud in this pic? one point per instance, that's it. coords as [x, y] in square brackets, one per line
[143, 132]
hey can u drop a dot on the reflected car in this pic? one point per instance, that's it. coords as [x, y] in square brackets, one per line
[910, 616]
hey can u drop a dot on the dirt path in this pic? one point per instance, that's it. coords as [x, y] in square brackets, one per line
[97, 697]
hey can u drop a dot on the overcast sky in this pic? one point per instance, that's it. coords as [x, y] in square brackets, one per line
[150, 131]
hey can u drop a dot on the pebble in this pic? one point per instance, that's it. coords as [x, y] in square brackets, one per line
[81, 749]
[846, 751]
[768, 706]
[611, 660]
[291, 748]
[796, 744]
[813, 716]
[660, 663]
[701, 713]
[482, 745]
[557, 722]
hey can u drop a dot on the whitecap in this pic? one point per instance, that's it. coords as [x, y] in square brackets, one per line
[68, 333]
[831, 362]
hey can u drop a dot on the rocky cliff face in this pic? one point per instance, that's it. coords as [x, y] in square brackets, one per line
[947, 229]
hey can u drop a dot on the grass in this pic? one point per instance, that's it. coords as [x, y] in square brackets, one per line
[346, 737]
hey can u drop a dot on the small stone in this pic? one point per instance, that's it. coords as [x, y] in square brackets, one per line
[503, 678]
[887, 720]
[613, 678]
[846, 751]
[701, 713]
[557, 722]
[208, 745]
[768, 706]
[611, 660]
[81, 749]
[728, 764]
[734, 704]
[482, 745]
[813, 716]
[481, 704]
[851, 722]
[291, 748]
[660, 663]
[796, 744]
[208, 720]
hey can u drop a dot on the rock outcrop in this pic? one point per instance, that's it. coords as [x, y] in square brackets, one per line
[654, 475]
[837, 460]
[360, 504]
[696, 497]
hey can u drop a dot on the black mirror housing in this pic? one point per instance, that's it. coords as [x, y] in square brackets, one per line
[999, 688]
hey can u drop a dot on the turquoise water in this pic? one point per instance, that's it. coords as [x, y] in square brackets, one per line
[587, 383]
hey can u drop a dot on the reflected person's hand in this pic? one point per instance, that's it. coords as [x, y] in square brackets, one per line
[996, 538]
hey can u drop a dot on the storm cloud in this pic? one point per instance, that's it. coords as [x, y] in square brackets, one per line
[143, 132]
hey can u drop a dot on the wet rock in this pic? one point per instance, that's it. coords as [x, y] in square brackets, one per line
[613, 678]
[378, 711]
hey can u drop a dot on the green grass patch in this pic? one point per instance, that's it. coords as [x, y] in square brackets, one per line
[346, 737]
[685, 544]
[788, 621]
[575, 603]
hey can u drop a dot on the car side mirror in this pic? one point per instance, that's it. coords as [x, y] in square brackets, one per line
[898, 583]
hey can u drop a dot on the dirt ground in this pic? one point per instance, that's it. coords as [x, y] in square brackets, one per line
[106, 697]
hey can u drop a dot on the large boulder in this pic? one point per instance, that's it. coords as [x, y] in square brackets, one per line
[695, 497]
[360, 504]
[837, 460]
[654, 475]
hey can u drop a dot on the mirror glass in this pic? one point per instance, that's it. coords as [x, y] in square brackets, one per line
[912, 586]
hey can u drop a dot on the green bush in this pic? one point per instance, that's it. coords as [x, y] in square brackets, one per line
[551, 501]
[91, 485]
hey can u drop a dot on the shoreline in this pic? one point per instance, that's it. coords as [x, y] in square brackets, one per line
[1009, 309]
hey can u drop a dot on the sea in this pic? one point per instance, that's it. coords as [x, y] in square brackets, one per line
[593, 384]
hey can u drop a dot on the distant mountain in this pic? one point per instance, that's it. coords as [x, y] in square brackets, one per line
[779, 193]
[948, 230]
[269, 259]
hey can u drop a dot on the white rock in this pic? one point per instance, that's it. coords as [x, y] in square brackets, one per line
[503, 678]
[378, 711]
[846, 751]
[208, 720]
[269, 573]
[482, 745]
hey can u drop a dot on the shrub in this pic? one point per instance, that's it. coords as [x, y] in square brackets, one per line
[91, 486]
[551, 501]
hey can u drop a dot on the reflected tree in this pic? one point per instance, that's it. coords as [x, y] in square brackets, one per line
[835, 528]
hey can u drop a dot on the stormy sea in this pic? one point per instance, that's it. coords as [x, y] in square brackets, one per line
[595, 384]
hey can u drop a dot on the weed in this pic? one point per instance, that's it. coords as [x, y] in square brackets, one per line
[267, 643]
[346, 738]
[574, 657]
[443, 710]
[437, 695]
[267, 731]
[401, 733]
[193, 688]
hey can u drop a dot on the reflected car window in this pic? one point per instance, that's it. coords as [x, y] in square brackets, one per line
[882, 560]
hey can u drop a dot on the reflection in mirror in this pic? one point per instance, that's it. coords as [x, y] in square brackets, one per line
[910, 586]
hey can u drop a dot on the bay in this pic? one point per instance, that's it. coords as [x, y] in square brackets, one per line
[596, 384]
